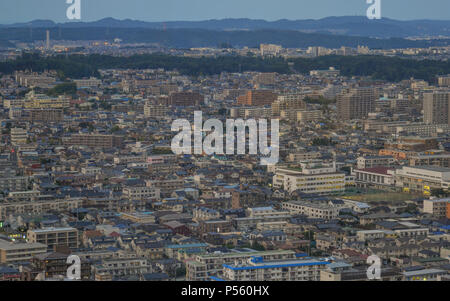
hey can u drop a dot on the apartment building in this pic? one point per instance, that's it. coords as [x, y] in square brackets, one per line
[257, 98]
[312, 210]
[117, 267]
[141, 193]
[88, 83]
[366, 235]
[304, 116]
[155, 111]
[436, 107]
[436, 207]
[257, 269]
[14, 183]
[205, 265]
[355, 103]
[310, 178]
[94, 140]
[19, 136]
[444, 81]
[204, 213]
[20, 251]
[44, 115]
[307, 156]
[38, 206]
[288, 102]
[185, 99]
[374, 161]
[439, 160]
[53, 237]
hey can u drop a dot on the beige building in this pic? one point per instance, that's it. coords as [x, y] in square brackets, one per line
[311, 210]
[355, 103]
[16, 252]
[55, 237]
[436, 207]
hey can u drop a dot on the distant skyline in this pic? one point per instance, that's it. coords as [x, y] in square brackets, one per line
[14, 11]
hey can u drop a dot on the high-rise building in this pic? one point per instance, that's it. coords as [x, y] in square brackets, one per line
[47, 44]
[436, 107]
[355, 103]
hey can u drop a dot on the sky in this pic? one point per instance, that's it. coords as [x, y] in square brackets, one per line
[13, 11]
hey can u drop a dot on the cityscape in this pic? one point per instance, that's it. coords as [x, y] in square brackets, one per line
[225, 149]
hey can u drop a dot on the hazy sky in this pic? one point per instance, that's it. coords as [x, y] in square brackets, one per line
[12, 11]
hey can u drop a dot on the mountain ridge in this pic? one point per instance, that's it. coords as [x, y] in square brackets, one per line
[346, 25]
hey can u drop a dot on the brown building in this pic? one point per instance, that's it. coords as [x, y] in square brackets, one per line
[185, 99]
[94, 140]
[44, 115]
[53, 265]
[356, 103]
[220, 226]
[257, 98]
[448, 210]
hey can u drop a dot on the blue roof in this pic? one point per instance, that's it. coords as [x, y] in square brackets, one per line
[187, 246]
[276, 265]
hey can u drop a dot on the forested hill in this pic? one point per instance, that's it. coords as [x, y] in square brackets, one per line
[188, 38]
[378, 67]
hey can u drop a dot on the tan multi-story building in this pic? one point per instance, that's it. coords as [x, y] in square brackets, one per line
[94, 140]
[303, 116]
[356, 103]
[297, 157]
[155, 111]
[440, 160]
[19, 136]
[436, 207]
[312, 210]
[38, 206]
[436, 107]
[288, 102]
[141, 193]
[18, 251]
[54, 237]
[88, 83]
[42, 101]
[444, 81]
